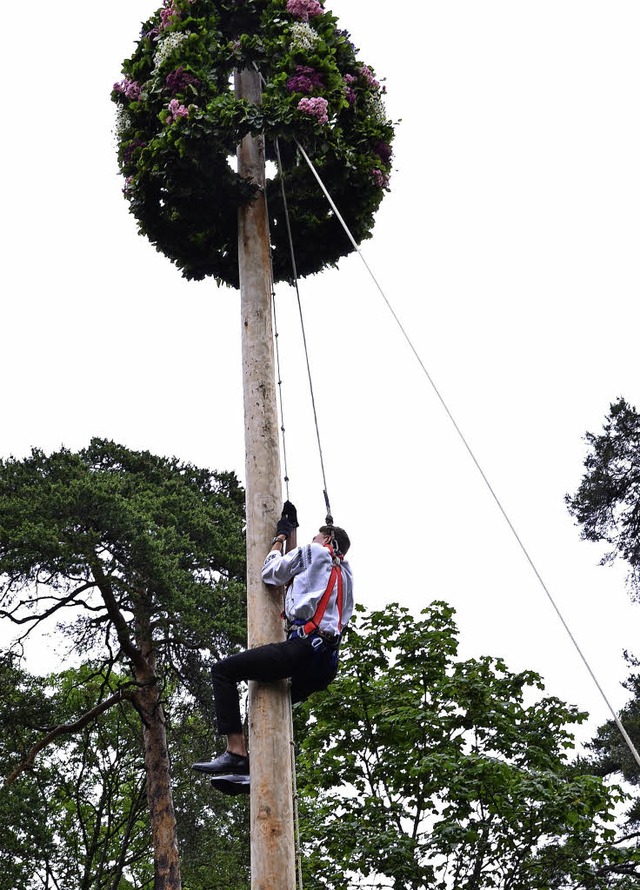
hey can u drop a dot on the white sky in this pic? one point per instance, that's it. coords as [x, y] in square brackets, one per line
[507, 246]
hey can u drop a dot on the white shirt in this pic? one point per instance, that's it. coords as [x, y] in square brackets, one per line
[308, 568]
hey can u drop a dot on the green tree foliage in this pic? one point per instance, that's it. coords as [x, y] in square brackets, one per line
[79, 819]
[607, 503]
[419, 770]
[606, 506]
[115, 533]
[611, 753]
[213, 828]
[144, 558]
[27, 841]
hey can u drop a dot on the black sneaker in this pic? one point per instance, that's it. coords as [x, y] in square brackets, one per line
[225, 766]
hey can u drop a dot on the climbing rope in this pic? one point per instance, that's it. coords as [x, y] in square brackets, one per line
[329, 519]
[276, 336]
[294, 271]
[294, 786]
[276, 339]
[511, 526]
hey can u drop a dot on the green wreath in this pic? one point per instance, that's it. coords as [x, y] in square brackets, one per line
[179, 124]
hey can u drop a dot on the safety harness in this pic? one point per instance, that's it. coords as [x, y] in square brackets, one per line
[313, 625]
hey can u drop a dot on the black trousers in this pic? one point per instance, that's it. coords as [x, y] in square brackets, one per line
[310, 663]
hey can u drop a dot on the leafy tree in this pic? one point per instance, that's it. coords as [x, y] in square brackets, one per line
[214, 829]
[611, 753]
[607, 502]
[146, 554]
[26, 837]
[78, 818]
[418, 770]
[606, 506]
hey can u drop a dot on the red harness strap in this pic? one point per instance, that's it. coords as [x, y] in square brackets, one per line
[336, 576]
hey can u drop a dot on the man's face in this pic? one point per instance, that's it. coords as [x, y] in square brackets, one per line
[320, 538]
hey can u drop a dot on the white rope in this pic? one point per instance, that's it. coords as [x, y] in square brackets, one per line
[294, 787]
[294, 271]
[618, 723]
[276, 339]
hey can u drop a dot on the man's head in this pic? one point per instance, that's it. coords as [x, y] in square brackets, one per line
[340, 535]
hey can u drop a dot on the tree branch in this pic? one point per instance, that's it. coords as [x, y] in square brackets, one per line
[119, 622]
[59, 603]
[68, 729]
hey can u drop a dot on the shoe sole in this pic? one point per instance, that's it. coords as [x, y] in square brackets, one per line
[238, 778]
[210, 772]
[230, 787]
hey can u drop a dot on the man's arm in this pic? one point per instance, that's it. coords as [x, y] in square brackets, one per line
[278, 543]
[285, 535]
[291, 541]
[279, 568]
[286, 530]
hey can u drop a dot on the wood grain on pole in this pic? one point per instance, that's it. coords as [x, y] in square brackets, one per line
[272, 840]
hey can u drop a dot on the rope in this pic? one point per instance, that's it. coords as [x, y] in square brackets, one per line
[294, 270]
[495, 497]
[276, 335]
[329, 519]
[294, 785]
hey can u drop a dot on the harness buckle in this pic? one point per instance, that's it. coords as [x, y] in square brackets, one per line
[296, 630]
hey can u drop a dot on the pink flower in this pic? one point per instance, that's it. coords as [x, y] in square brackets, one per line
[168, 15]
[367, 73]
[128, 88]
[349, 92]
[315, 107]
[176, 110]
[379, 178]
[304, 9]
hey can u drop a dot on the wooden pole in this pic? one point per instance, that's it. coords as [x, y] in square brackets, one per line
[272, 841]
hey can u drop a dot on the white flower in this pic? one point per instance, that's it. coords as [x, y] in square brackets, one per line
[375, 107]
[122, 124]
[167, 46]
[303, 36]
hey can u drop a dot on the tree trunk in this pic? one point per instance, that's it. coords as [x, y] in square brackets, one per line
[166, 863]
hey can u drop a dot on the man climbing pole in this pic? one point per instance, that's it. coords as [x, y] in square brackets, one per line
[318, 606]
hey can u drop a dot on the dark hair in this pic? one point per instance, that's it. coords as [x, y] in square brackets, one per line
[342, 538]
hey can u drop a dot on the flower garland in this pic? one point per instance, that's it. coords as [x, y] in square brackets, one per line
[179, 124]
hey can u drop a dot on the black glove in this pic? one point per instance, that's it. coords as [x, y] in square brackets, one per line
[289, 519]
[289, 512]
[284, 527]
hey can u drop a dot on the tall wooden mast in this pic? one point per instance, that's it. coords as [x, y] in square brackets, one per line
[272, 841]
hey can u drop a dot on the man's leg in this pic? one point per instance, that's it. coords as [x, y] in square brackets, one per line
[265, 663]
[275, 661]
[319, 671]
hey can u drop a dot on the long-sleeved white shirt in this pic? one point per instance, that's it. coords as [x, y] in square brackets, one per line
[308, 568]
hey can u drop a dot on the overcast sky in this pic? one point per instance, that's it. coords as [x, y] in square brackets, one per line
[508, 247]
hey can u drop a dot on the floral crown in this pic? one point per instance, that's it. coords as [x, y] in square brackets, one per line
[179, 123]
